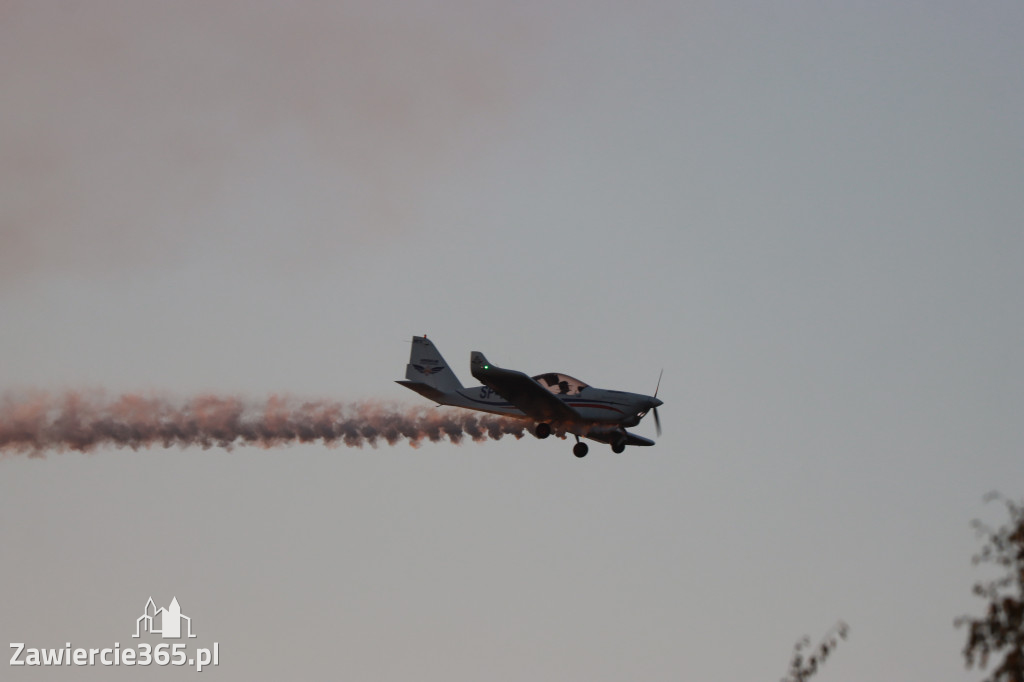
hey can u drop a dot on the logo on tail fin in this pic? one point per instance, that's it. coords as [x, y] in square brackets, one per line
[427, 370]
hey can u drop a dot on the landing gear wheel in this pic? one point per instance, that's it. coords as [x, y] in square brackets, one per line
[580, 449]
[618, 447]
[542, 431]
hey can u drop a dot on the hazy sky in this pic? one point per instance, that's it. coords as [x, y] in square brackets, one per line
[811, 215]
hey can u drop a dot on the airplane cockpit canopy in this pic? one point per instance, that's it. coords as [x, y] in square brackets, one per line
[560, 384]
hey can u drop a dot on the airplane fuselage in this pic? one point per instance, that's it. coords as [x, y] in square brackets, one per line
[594, 405]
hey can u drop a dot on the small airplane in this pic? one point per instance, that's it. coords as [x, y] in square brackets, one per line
[556, 402]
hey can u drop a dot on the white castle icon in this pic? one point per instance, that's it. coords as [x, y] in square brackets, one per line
[163, 622]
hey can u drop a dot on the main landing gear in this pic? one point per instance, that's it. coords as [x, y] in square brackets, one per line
[543, 430]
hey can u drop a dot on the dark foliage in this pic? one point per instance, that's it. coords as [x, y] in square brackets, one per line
[1001, 629]
[802, 666]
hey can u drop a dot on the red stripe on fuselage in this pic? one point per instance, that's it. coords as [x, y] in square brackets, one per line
[596, 407]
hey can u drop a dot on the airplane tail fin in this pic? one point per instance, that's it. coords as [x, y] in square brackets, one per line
[426, 366]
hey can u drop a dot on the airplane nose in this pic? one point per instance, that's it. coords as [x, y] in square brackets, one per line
[656, 403]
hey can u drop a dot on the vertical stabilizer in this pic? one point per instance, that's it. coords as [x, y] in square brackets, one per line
[426, 366]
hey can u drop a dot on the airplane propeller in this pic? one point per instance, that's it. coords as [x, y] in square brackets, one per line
[657, 421]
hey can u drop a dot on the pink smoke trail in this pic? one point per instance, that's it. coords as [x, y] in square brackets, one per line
[83, 421]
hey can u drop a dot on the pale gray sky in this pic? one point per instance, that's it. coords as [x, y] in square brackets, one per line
[809, 214]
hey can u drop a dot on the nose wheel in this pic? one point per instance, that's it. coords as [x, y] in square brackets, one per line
[580, 449]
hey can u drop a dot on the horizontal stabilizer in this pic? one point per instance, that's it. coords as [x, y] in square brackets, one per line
[425, 390]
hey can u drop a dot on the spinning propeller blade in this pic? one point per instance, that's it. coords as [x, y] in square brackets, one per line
[657, 421]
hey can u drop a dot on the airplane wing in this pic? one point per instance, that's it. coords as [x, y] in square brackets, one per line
[534, 400]
[610, 436]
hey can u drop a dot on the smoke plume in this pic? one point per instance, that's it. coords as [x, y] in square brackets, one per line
[39, 422]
